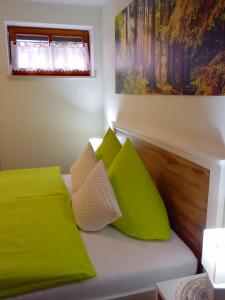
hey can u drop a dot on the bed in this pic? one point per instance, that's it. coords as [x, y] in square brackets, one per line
[126, 266]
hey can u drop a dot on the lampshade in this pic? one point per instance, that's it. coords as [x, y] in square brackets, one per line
[213, 254]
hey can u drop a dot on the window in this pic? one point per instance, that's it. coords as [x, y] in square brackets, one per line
[49, 51]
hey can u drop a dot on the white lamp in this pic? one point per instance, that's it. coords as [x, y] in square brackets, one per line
[213, 260]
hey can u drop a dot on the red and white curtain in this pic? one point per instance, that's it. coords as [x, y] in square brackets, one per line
[45, 56]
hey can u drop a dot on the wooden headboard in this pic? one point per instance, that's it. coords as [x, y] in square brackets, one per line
[183, 185]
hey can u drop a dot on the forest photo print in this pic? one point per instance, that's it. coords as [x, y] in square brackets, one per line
[171, 47]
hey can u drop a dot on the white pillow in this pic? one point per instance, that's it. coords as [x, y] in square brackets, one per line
[82, 167]
[95, 204]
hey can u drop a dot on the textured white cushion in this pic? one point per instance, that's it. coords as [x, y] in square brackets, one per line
[82, 167]
[95, 204]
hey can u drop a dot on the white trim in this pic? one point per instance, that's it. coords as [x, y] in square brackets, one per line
[216, 200]
[11, 77]
[48, 25]
[7, 48]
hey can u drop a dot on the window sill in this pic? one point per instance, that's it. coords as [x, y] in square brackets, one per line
[19, 77]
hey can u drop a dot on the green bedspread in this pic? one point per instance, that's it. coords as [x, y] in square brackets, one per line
[40, 246]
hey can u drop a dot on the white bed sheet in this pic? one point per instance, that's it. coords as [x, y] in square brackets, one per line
[123, 265]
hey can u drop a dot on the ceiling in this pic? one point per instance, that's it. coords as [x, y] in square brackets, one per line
[73, 2]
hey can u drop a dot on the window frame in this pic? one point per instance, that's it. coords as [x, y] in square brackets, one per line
[14, 30]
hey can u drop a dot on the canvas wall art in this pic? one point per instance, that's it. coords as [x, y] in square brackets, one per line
[171, 47]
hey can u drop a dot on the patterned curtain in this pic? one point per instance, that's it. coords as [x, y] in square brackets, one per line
[45, 56]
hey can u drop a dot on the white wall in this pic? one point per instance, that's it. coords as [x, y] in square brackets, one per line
[47, 121]
[183, 121]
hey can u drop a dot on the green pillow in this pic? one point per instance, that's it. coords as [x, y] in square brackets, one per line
[144, 215]
[109, 148]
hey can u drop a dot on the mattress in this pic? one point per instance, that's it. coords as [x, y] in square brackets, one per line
[123, 265]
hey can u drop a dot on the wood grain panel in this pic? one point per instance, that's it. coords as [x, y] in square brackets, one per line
[183, 186]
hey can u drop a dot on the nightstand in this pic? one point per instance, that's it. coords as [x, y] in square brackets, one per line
[176, 289]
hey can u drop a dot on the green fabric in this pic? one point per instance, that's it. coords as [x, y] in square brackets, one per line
[40, 245]
[109, 148]
[143, 212]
